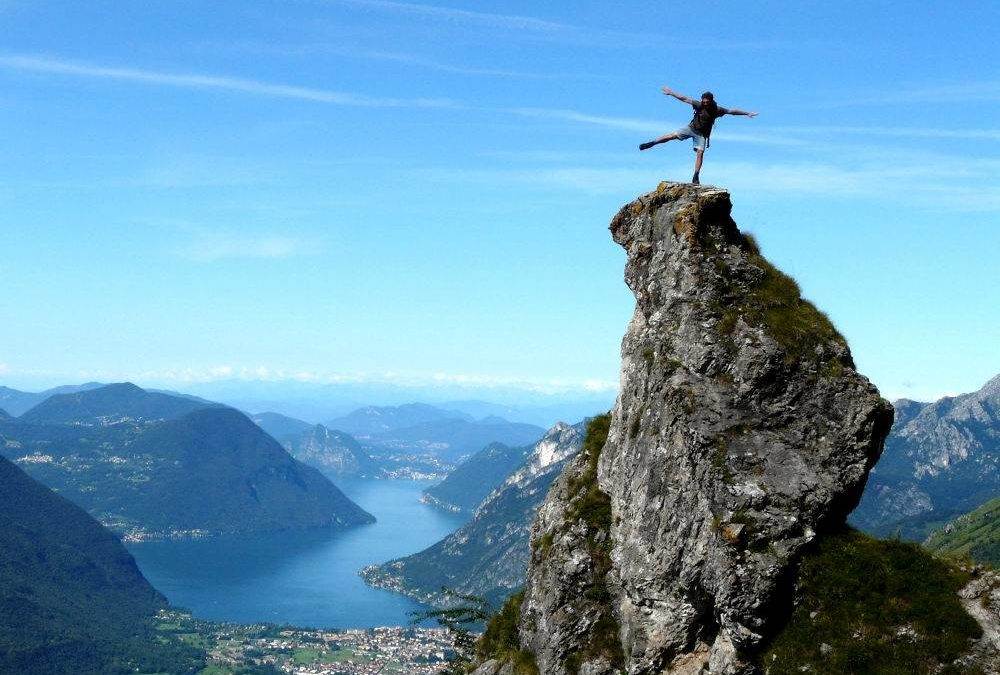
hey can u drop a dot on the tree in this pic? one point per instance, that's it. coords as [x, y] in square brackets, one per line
[462, 619]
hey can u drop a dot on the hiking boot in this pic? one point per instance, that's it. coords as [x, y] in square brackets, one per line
[694, 180]
[647, 145]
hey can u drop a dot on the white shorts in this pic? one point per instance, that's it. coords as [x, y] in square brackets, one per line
[699, 141]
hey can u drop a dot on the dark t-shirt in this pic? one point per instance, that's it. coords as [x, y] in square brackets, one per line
[704, 118]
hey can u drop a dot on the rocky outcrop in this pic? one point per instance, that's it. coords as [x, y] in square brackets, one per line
[981, 599]
[742, 430]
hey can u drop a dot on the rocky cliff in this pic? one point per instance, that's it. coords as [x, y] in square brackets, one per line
[742, 430]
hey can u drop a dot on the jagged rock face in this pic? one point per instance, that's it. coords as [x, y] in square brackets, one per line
[741, 430]
[981, 599]
[333, 451]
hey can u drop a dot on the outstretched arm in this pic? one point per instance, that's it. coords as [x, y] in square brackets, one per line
[667, 91]
[737, 111]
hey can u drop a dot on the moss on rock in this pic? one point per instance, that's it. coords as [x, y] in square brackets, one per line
[500, 640]
[591, 505]
[771, 300]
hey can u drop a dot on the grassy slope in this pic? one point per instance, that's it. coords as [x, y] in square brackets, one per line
[873, 606]
[976, 535]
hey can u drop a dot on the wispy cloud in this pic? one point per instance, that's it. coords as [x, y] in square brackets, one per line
[546, 29]
[358, 51]
[54, 66]
[941, 93]
[212, 245]
[767, 135]
[527, 27]
[896, 132]
[197, 374]
[451, 14]
[922, 181]
[648, 126]
[645, 126]
[418, 61]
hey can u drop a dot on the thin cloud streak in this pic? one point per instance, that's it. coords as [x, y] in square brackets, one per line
[39, 64]
[649, 127]
[917, 183]
[963, 92]
[215, 245]
[405, 58]
[509, 21]
[180, 375]
[765, 135]
[898, 132]
[555, 30]
[431, 64]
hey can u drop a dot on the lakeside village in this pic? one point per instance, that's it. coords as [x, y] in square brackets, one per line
[234, 647]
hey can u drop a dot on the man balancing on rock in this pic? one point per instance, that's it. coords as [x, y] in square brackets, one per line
[706, 111]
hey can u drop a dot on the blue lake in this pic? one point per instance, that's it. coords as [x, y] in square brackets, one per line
[306, 579]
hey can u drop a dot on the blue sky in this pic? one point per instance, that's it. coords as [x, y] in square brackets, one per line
[376, 190]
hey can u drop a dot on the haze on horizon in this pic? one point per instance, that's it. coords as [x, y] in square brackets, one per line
[373, 191]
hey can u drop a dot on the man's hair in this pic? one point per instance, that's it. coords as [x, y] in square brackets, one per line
[709, 95]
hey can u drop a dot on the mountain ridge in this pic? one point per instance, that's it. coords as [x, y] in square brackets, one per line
[468, 484]
[122, 401]
[208, 470]
[941, 459]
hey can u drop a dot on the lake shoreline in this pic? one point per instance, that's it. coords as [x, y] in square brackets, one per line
[302, 578]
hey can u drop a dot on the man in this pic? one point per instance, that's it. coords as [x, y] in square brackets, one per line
[706, 111]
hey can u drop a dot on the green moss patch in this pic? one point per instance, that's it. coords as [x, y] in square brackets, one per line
[500, 640]
[590, 504]
[773, 302]
[587, 501]
[873, 606]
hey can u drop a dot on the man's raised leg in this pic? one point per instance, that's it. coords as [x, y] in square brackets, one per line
[662, 139]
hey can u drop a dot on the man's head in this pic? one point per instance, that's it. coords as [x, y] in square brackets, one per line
[707, 98]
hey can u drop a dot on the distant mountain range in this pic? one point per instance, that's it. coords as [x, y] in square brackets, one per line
[17, 402]
[148, 464]
[321, 403]
[463, 489]
[111, 404]
[329, 450]
[372, 421]
[419, 429]
[408, 441]
[71, 597]
[281, 427]
[487, 556]
[941, 460]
